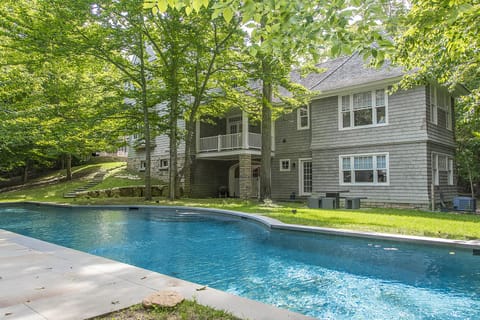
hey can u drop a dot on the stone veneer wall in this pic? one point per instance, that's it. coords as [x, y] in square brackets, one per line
[133, 164]
[245, 166]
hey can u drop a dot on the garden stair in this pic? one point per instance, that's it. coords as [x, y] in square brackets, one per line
[97, 178]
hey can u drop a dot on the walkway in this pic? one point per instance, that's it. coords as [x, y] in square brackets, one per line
[40, 280]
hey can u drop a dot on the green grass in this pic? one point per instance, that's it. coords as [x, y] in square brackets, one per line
[54, 192]
[118, 178]
[187, 310]
[398, 221]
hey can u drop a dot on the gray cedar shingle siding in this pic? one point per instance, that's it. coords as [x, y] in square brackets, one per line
[448, 191]
[292, 144]
[406, 122]
[436, 132]
[407, 162]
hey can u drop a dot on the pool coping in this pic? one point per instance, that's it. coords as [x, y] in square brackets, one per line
[275, 224]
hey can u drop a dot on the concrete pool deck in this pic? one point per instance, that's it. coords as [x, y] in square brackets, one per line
[41, 280]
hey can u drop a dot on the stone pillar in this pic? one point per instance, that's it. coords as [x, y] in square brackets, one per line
[245, 175]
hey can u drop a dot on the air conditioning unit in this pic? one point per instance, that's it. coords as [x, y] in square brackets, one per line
[465, 204]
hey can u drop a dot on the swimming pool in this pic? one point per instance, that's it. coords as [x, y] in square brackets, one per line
[329, 277]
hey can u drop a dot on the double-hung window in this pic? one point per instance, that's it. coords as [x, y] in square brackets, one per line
[303, 118]
[442, 169]
[364, 169]
[368, 108]
[440, 107]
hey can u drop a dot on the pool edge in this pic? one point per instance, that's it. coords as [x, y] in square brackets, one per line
[275, 224]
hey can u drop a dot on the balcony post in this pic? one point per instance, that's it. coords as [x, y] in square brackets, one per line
[197, 136]
[245, 144]
[219, 143]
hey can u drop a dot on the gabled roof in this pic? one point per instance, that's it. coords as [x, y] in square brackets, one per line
[346, 72]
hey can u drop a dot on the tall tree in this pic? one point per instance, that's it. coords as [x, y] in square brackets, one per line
[439, 41]
[283, 35]
[70, 100]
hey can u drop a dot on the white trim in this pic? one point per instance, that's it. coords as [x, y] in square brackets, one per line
[450, 171]
[299, 118]
[436, 168]
[435, 171]
[300, 176]
[160, 163]
[373, 108]
[227, 153]
[352, 169]
[245, 131]
[281, 165]
[238, 123]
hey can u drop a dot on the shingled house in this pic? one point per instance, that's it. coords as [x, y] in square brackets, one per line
[393, 148]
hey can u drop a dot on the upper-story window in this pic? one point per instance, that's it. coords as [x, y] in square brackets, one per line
[368, 108]
[303, 118]
[440, 107]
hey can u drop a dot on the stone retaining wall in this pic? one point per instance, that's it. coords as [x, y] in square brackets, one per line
[134, 191]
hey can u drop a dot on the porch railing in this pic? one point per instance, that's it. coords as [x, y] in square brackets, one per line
[229, 142]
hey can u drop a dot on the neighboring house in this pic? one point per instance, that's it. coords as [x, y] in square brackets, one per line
[395, 149]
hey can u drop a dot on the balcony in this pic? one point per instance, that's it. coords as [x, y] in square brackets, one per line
[233, 141]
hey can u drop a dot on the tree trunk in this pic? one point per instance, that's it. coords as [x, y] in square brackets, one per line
[189, 150]
[68, 166]
[266, 159]
[25, 172]
[146, 123]
[173, 168]
[470, 178]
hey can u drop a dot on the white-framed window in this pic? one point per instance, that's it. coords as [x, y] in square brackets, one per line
[435, 172]
[364, 169]
[450, 172]
[143, 165]
[284, 164]
[303, 118]
[362, 109]
[305, 175]
[440, 107]
[163, 163]
[442, 165]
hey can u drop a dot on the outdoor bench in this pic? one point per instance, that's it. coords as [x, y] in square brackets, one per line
[353, 202]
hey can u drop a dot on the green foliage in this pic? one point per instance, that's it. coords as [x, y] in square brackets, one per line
[439, 41]
[67, 102]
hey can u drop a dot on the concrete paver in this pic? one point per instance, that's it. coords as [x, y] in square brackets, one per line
[43, 281]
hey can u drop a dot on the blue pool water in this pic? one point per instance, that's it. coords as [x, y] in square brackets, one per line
[329, 277]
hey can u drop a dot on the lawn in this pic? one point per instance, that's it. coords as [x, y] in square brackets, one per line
[187, 310]
[397, 221]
